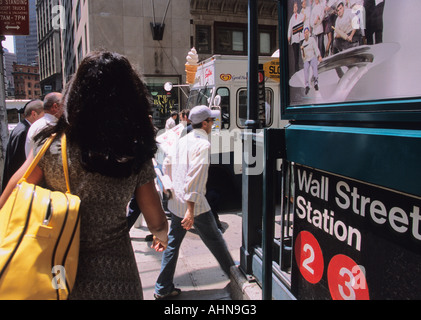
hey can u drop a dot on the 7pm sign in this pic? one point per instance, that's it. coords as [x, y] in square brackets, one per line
[14, 17]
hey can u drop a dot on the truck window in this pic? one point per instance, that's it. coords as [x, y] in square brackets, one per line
[199, 97]
[265, 115]
[225, 106]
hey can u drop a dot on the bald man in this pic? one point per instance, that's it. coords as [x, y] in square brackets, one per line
[53, 110]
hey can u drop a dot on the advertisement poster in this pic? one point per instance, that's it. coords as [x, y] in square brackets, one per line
[354, 241]
[352, 51]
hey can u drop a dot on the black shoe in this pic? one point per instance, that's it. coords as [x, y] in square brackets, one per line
[307, 90]
[316, 87]
[175, 292]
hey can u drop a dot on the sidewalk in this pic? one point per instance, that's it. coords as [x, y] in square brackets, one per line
[198, 274]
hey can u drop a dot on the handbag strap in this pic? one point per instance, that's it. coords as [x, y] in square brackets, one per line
[38, 157]
[41, 153]
[65, 163]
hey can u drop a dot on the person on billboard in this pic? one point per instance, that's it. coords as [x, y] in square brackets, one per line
[295, 30]
[316, 22]
[345, 35]
[311, 56]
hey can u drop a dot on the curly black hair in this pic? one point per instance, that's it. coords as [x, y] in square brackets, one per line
[108, 109]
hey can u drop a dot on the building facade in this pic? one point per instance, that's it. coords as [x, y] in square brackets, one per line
[9, 60]
[26, 47]
[49, 45]
[26, 79]
[157, 35]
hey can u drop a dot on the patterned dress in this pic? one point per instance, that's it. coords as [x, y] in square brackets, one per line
[107, 266]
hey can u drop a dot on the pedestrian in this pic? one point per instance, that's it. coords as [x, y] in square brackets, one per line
[212, 194]
[111, 142]
[15, 150]
[53, 110]
[171, 121]
[187, 165]
[184, 119]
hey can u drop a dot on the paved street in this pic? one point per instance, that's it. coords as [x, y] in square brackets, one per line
[198, 274]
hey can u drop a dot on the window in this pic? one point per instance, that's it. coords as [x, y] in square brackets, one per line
[78, 14]
[203, 39]
[231, 39]
[199, 97]
[265, 112]
[265, 44]
[238, 41]
[224, 93]
[79, 52]
[163, 102]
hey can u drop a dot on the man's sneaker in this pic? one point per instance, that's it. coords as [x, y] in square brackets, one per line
[175, 292]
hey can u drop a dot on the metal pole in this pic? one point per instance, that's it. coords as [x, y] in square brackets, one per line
[253, 65]
[268, 217]
[251, 190]
[4, 132]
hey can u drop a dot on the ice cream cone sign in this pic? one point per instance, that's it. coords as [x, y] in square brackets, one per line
[192, 60]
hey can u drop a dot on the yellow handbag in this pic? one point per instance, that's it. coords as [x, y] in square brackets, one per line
[39, 239]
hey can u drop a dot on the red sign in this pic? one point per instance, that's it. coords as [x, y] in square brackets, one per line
[14, 17]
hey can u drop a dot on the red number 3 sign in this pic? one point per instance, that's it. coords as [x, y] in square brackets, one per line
[346, 279]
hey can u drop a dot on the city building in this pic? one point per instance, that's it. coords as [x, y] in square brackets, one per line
[26, 79]
[9, 59]
[49, 46]
[26, 47]
[157, 35]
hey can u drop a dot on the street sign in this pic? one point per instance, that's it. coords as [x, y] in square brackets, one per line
[354, 240]
[14, 17]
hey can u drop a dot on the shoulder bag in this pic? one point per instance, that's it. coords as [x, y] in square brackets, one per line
[39, 238]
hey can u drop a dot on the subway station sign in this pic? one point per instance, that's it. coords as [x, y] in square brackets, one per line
[354, 241]
[14, 17]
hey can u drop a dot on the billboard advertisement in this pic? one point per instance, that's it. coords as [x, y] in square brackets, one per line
[351, 56]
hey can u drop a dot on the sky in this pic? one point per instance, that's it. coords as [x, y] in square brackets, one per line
[8, 43]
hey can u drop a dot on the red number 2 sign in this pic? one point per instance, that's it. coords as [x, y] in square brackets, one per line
[309, 257]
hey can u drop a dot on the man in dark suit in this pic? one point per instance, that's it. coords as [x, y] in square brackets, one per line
[15, 152]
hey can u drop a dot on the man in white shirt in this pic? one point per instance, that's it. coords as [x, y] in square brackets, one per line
[316, 22]
[187, 165]
[53, 110]
[170, 123]
[311, 57]
[295, 30]
[344, 32]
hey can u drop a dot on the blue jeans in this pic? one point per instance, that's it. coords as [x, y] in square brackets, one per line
[208, 231]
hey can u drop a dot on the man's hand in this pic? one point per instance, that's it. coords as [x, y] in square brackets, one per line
[188, 221]
[159, 245]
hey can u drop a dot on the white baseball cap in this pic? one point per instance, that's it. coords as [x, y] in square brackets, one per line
[201, 113]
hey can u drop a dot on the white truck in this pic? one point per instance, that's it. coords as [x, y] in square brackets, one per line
[221, 82]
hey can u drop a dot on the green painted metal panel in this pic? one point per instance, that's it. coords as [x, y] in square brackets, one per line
[386, 157]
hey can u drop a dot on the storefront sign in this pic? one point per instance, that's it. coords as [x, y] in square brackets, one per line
[354, 241]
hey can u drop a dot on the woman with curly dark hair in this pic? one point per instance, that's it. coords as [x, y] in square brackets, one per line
[111, 142]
